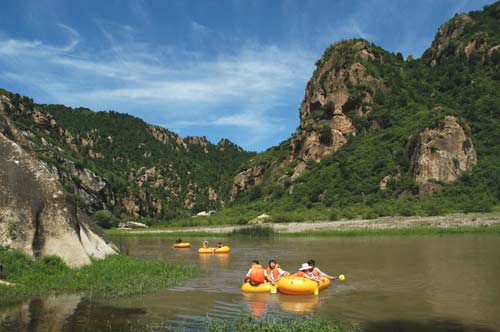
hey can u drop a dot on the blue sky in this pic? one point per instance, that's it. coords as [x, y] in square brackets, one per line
[233, 69]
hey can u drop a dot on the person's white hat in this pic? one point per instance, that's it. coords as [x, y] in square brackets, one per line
[305, 266]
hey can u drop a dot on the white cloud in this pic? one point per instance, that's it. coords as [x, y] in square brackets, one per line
[200, 28]
[239, 89]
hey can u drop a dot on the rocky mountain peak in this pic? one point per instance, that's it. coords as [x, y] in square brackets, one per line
[466, 35]
[342, 87]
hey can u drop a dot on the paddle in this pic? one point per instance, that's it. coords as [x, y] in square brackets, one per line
[273, 289]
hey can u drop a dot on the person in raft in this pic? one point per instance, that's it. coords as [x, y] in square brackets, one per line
[257, 274]
[220, 245]
[178, 241]
[304, 271]
[317, 273]
[205, 245]
[274, 271]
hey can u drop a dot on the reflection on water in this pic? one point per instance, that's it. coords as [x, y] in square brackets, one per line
[213, 260]
[68, 313]
[423, 283]
[299, 304]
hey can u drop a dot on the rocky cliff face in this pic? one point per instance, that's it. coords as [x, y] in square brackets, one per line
[442, 156]
[36, 216]
[245, 180]
[466, 35]
[341, 87]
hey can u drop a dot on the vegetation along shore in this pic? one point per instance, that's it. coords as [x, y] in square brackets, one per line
[450, 224]
[116, 275]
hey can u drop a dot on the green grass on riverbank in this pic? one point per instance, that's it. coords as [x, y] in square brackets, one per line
[251, 324]
[493, 229]
[117, 275]
[300, 324]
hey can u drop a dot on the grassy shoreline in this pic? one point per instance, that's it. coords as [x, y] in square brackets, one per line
[452, 224]
[116, 275]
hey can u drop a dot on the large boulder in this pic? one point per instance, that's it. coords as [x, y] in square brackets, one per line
[442, 156]
[36, 216]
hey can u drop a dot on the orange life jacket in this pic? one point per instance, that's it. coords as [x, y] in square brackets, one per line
[274, 272]
[257, 273]
[301, 273]
[315, 272]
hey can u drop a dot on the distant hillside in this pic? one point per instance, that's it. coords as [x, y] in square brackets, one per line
[116, 162]
[380, 135]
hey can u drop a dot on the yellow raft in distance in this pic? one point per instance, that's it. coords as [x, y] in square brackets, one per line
[182, 245]
[293, 285]
[222, 250]
[260, 288]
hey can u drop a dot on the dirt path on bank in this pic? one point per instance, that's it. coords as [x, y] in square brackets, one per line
[448, 221]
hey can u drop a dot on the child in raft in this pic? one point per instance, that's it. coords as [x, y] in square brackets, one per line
[204, 245]
[220, 245]
[257, 274]
[274, 271]
[317, 273]
[178, 241]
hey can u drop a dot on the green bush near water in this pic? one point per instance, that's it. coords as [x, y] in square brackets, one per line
[254, 231]
[117, 275]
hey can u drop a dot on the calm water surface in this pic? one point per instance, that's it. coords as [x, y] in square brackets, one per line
[420, 283]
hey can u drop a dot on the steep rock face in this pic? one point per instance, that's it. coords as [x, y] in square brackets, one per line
[442, 156]
[36, 216]
[245, 180]
[443, 45]
[166, 137]
[340, 88]
[466, 35]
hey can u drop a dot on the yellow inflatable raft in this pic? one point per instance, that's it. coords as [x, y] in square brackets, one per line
[260, 288]
[182, 245]
[223, 250]
[293, 285]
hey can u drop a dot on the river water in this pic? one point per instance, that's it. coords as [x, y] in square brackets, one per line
[419, 283]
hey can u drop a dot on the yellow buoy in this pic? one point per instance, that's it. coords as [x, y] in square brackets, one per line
[342, 277]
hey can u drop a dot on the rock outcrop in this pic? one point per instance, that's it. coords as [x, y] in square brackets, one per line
[442, 156]
[464, 35]
[245, 180]
[36, 216]
[340, 89]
